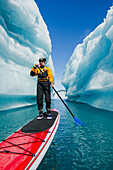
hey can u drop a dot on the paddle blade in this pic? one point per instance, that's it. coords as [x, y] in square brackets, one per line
[78, 121]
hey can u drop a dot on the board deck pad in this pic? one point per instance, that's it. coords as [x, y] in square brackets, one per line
[39, 125]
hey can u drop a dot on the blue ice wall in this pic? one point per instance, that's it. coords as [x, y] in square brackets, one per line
[88, 76]
[24, 38]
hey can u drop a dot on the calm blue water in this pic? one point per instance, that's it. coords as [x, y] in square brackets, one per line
[73, 147]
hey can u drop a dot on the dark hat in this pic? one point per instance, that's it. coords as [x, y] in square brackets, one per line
[42, 59]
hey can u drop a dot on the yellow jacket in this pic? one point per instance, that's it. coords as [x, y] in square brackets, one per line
[41, 77]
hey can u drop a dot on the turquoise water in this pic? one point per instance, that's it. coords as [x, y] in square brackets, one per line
[73, 147]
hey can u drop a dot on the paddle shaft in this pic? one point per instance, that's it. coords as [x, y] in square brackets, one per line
[63, 101]
[57, 93]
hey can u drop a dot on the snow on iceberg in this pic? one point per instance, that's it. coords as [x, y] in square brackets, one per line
[88, 76]
[24, 38]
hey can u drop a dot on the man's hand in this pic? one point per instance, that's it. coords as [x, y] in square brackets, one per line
[51, 85]
[36, 65]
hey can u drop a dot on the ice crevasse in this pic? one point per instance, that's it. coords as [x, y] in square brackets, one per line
[24, 38]
[88, 76]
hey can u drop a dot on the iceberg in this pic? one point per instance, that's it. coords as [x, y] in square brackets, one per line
[24, 38]
[88, 76]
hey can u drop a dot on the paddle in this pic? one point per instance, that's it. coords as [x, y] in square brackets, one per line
[78, 121]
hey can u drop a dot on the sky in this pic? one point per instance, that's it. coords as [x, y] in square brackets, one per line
[69, 22]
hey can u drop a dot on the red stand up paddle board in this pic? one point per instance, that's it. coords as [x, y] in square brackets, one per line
[25, 148]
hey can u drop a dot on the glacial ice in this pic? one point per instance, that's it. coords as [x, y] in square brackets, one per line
[88, 76]
[24, 38]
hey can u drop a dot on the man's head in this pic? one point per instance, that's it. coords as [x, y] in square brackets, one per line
[42, 61]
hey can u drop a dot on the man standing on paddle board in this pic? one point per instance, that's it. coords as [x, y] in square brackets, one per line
[43, 86]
